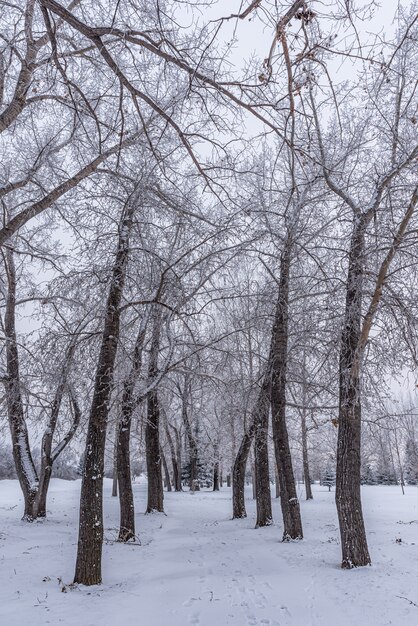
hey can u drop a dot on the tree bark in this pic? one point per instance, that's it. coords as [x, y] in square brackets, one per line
[126, 496]
[152, 428]
[306, 474]
[174, 463]
[238, 474]
[25, 467]
[261, 459]
[347, 493]
[292, 523]
[88, 569]
[216, 476]
[167, 478]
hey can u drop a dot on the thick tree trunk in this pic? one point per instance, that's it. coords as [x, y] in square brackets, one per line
[261, 460]
[292, 523]
[347, 493]
[90, 538]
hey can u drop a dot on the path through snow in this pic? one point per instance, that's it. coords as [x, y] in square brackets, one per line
[197, 567]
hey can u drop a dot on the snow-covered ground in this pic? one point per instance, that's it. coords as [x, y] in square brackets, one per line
[196, 566]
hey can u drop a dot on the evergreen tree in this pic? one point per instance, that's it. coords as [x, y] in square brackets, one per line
[328, 476]
[368, 475]
[411, 462]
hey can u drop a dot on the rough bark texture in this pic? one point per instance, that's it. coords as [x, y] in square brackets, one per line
[292, 523]
[90, 538]
[347, 494]
[261, 459]
[152, 427]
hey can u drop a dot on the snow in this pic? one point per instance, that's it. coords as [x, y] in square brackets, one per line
[198, 567]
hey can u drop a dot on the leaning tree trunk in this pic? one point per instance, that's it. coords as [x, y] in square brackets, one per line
[347, 494]
[261, 459]
[88, 569]
[292, 523]
[152, 427]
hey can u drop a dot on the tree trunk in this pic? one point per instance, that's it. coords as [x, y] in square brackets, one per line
[347, 493]
[115, 465]
[306, 474]
[25, 467]
[167, 478]
[277, 484]
[152, 428]
[261, 459]
[90, 538]
[238, 474]
[176, 469]
[126, 496]
[193, 449]
[216, 476]
[292, 523]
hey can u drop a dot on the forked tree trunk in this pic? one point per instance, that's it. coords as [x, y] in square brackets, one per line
[152, 427]
[261, 460]
[347, 493]
[238, 471]
[292, 523]
[88, 569]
